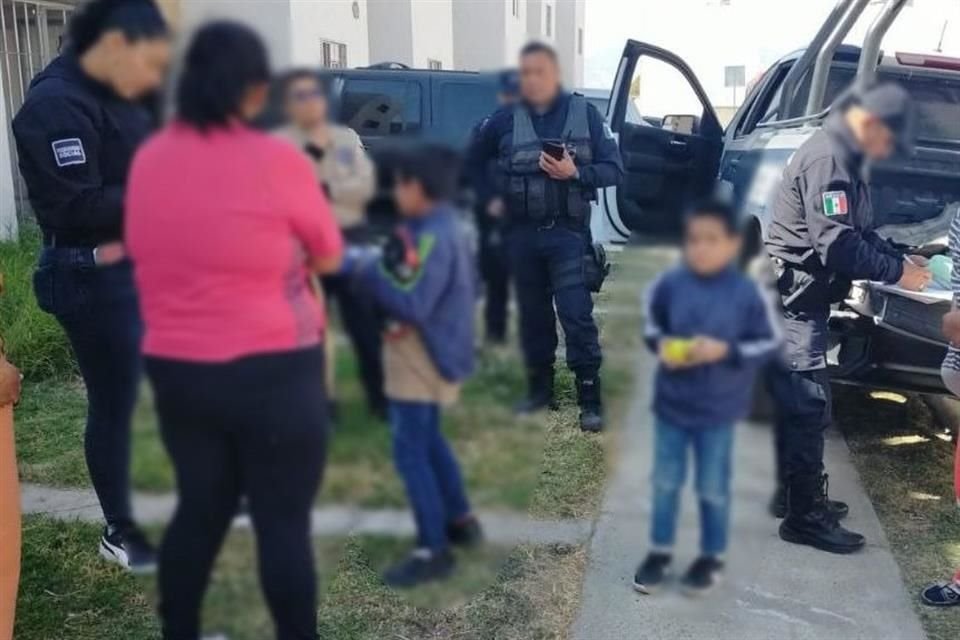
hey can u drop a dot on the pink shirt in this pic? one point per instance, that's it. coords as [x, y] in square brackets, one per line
[220, 226]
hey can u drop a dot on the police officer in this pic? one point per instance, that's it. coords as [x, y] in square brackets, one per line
[554, 151]
[820, 238]
[491, 224]
[76, 135]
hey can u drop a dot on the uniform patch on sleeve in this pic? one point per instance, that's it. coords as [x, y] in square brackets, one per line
[835, 203]
[69, 151]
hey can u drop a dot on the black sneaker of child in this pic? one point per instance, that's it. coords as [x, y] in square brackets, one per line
[942, 594]
[703, 575]
[421, 566]
[129, 548]
[465, 533]
[652, 573]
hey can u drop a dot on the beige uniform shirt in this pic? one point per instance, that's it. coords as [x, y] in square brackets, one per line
[345, 169]
[409, 372]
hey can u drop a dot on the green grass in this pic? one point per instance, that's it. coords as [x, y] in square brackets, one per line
[543, 464]
[33, 340]
[69, 593]
[910, 483]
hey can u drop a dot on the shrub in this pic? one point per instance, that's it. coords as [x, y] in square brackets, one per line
[33, 340]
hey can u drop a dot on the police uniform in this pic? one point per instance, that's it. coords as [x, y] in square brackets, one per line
[820, 238]
[76, 139]
[547, 231]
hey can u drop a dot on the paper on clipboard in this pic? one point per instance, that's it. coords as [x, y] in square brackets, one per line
[932, 295]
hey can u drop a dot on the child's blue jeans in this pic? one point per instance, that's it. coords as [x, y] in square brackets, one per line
[429, 470]
[713, 448]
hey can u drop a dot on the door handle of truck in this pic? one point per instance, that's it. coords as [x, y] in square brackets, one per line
[678, 143]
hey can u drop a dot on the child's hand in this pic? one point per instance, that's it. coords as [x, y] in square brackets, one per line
[707, 350]
[674, 353]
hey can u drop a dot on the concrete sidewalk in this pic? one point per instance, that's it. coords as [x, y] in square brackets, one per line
[773, 589]
[500, 527]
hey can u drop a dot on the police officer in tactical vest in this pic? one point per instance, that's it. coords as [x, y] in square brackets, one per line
[820, 239]
[554, 151]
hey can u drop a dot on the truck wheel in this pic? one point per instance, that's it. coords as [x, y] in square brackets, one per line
[946, 413]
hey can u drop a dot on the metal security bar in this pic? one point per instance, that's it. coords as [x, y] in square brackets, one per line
[31, 34]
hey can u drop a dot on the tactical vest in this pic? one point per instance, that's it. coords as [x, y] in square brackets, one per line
[530, 192]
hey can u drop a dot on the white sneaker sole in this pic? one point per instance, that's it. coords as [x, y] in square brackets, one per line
[118, 555]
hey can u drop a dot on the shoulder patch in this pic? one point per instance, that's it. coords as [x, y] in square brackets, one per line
[835, 203]
[68, 151]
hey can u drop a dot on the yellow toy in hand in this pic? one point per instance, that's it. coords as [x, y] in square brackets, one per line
[676, 351]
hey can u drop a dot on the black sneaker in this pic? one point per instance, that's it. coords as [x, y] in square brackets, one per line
[129, 548]
[703, 575]
[942, 594]
[421, 566]
[652, 573]
[465, 533]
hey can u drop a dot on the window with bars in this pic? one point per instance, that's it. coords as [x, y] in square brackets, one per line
[434, 65]
[549, 16]
[580, 41]
[515, 8]
[333, 55]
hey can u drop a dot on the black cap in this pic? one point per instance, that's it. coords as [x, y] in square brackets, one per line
[509, 82]
[891, 103]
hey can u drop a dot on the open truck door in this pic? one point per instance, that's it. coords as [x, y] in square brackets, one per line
[670, 140]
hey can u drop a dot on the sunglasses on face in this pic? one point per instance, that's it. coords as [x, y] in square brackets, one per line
[305, 95]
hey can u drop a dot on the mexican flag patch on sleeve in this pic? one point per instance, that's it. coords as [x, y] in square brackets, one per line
[835, 203]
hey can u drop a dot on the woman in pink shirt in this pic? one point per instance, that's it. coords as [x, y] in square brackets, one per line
[225, 225]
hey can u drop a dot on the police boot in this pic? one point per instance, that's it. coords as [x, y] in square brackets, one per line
[809, 520]
[778, 503]
[591, 406]
[539, 392]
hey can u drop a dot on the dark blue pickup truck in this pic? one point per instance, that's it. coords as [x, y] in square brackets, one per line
[880, 340]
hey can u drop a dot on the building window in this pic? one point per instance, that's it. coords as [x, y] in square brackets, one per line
[434, 65]
[333, 55]
[580, 41]
[549, 15]
[515, 8]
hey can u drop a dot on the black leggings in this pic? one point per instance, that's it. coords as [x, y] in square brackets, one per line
[255, 427]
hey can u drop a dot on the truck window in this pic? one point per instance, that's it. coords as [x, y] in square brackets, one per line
[937, 101]
[659, 91]
[381, 107]
[461, 106]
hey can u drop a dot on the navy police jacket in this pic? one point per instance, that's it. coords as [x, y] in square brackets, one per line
[727, 306]
[76, 139]
[437, 293]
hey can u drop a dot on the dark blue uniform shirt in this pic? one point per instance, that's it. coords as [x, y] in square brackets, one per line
[76, 139]
[494, 137]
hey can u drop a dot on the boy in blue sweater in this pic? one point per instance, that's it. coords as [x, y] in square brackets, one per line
[425, 282]
[711, 328]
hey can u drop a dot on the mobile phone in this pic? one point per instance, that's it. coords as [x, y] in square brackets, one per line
[553, 149]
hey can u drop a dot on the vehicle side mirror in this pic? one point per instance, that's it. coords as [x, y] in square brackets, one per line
[682, 124]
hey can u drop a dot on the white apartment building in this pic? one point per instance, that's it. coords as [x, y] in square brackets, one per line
[331, 33]
[570, 19]
[488, 33]
[417, 33]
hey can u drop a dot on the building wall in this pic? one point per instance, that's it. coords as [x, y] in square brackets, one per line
[478, 34]
[391, 31]
[270, 18]
[514, 29]
[570, 18]
[537, 20]
[432, 32]
[8, 209]
[331, 20]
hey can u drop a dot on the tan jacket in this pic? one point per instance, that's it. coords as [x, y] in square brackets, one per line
[345, 169]
[409, 373]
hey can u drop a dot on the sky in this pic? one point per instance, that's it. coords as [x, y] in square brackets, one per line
[711, 34]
